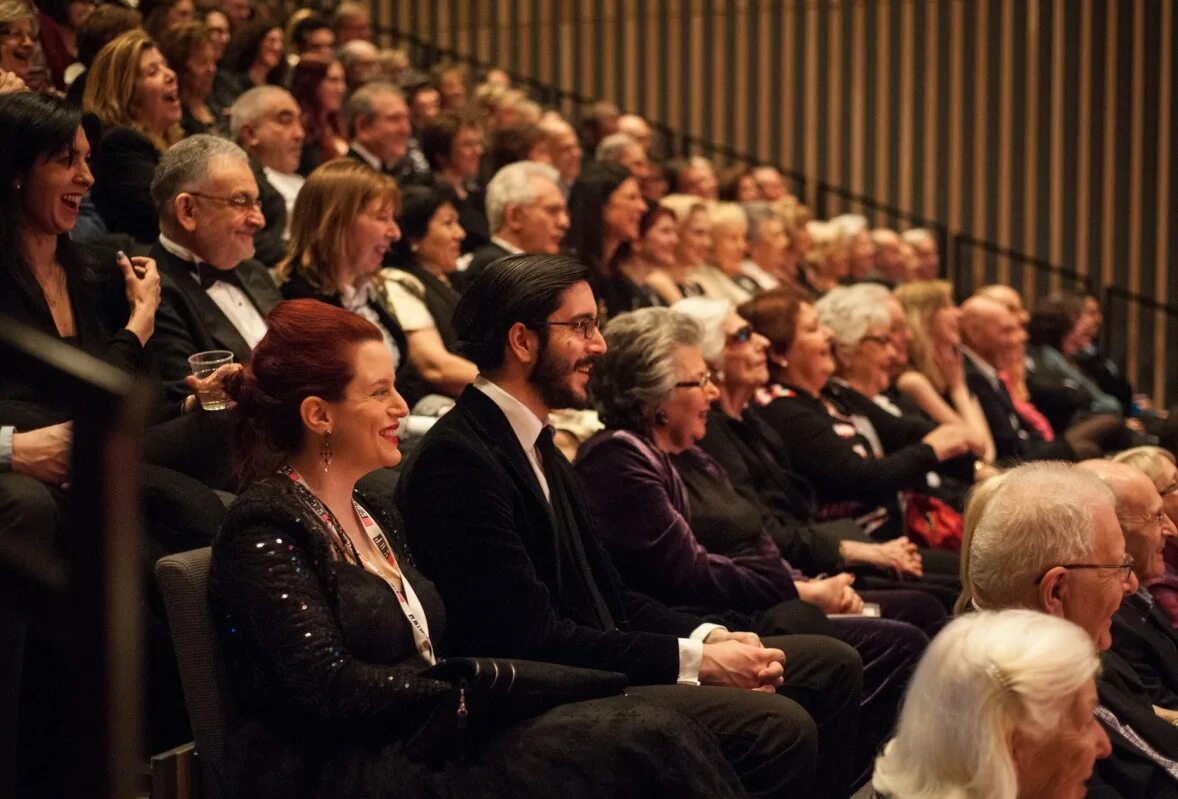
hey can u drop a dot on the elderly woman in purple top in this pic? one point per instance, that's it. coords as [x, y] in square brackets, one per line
[654, 390]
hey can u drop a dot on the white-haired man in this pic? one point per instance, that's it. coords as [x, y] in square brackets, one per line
[1142, 636]
[624, 149]
[527, 213]
[1047, 538]
[638, 128]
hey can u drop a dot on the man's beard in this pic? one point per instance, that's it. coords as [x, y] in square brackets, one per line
[551, 378]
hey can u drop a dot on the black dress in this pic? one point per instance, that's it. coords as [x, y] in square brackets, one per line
[323, 668]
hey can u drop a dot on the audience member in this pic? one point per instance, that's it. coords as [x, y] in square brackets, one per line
[452, 81]
[133, 92]
[318, 87]
[378, 123]
[696, 175]
[675, 281]
[102, 304]
[653, 389]
[237, 12]
[318, 410]
[352, 22]
[639, 129]
[770, 183]
[828, 259]
[217, 24]
[521, 141]
[771, 262]
[526, 212]
[598, 120]
[105, 23]
[254, 57]
[159, 15]
[829, 426]
[59, 22]
[421, 294]
[737, 185]
[214, 296]
[861, 266]
[1022, 691]
[361, 61]
[624, 149]
[343, 224]
[312, 38]
[653, 250]
[721, 277]
[989, 333]
[564, 147]
[1047, 538]
[453, 145]
[188, 49]
[267, 124]
[890, 267]
[935, 378]
[929, 259]
[1142, 635]
[18, 45]
[1158, 465]
[607, 206]
[523, 575]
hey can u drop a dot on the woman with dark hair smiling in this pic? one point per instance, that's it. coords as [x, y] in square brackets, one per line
[318, 87]
[453, 145]
[254, 57]
[190, 50]
[421, 293]
[605, 211]
[326, 644]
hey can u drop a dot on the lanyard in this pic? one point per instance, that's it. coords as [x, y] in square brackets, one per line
[406, 597]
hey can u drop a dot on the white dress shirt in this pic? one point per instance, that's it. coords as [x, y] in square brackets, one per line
[527, 427]
[238, 308]
[288, 186]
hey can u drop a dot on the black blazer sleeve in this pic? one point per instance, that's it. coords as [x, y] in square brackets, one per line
[277, 624]
[464, 518]
[124, 164]
[827, 460]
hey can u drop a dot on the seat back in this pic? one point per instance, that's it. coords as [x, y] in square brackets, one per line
[183, 581]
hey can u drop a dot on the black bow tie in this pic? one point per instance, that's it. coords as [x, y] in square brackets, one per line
[209, 275]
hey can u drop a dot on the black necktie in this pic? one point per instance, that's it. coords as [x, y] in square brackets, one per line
[208, 275]
[572, 562]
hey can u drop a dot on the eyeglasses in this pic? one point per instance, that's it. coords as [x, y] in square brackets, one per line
[706, 379]
[741, 336]
[241, 203]
[882, 341]
[586, 326]
[1126, 568]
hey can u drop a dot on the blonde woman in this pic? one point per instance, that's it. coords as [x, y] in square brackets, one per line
[935, 379]
[343, 223]
[136, 97]
[721, 277]
[673, 282]
[829, 258]
[18, 45]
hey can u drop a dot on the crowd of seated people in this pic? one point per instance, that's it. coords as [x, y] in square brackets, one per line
[657, 421]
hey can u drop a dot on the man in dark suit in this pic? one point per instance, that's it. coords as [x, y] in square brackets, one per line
[1142, 636]
[267, 123]
[989, 332]
[212, 295]
[1048, 539]
[495, 519]
[378, 123]
[526, 211]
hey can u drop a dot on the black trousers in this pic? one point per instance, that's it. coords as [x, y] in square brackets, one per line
[799, 742]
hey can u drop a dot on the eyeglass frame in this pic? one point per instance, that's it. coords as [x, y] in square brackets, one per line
[1126, 567]
[587, 326]
[709, 378]
[240, 204]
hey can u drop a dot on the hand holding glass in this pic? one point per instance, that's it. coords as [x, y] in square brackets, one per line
[211, 392]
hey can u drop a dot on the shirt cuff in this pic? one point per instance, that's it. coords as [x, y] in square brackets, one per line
[691, 653]
[6, 434]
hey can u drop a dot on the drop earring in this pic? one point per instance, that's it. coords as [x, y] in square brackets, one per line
[325, 451]
[660, 418]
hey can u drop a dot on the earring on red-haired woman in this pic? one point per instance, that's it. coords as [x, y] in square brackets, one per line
[325, 450]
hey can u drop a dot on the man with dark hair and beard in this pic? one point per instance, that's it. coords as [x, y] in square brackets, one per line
[495, 518]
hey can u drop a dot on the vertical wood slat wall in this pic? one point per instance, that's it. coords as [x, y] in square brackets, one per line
[1039, 125]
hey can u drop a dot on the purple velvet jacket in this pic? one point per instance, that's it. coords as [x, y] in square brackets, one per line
[641, 512]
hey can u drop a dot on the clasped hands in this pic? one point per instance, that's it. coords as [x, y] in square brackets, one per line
[740, 660]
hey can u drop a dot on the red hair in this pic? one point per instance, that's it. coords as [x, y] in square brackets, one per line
[306, 352]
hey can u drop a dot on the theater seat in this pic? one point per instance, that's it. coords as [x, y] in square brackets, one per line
[183, 581]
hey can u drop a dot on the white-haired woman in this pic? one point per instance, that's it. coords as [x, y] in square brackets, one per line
[1001, 706]
[721, 276]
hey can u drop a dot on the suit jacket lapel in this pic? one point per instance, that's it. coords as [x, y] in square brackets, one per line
[258, 285]
[211, 318]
